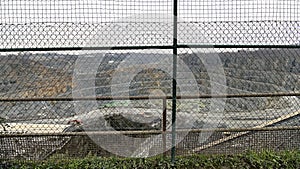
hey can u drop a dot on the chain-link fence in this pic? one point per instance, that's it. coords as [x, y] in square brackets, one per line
[137, 78]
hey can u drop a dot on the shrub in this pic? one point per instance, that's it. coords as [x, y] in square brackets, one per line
[265, 159]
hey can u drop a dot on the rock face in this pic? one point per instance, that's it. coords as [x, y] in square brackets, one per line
[23, 77]
[50, 75]
[262, 71]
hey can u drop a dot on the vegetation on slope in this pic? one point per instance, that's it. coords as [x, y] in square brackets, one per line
[265, 159]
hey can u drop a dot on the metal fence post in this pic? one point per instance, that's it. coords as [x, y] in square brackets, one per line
[164, 126]
[174, 85]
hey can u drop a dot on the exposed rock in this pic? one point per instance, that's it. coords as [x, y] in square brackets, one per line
[50, 75]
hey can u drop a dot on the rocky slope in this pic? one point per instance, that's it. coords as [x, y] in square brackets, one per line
[50, 75]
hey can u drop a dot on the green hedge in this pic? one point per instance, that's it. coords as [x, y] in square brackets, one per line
[266, 159]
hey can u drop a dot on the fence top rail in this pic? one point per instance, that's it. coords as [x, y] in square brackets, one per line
[144, 47]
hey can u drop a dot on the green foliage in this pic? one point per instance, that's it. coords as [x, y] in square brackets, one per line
[114, 104]
[265, 159]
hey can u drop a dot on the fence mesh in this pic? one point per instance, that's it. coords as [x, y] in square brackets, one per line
[61, 95]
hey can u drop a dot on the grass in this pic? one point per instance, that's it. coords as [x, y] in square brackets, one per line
[265, 159]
